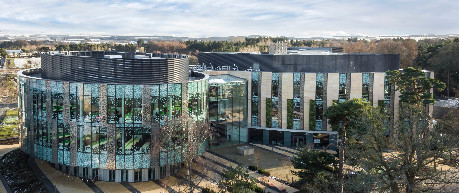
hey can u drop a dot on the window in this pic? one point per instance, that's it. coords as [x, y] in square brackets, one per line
[342, 95]
[366, 86]
[275, 114]
[319, 100]
[297, 115]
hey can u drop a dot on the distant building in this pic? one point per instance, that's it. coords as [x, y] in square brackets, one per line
[278, 48]
[14, 53]
[18, 53]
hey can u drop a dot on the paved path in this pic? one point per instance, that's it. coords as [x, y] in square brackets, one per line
[63, 182]
[148, 187]
[41, 176]
[72, 184]
[274, 149]
[7, 148]
[288, 149]
[93, 186]
[111, 187]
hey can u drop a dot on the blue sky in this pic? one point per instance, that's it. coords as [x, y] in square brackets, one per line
[204, 18]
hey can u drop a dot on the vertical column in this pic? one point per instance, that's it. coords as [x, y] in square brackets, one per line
[185, 98]
[332, 93]
[280, 104]
[286, 92]
[146, 106]
[348, 86]
[51, 123]
[309, 140]
[67, 123]
[377, 88]
[66, 102]
[265, 137]
[260, 75]
[248, 77]
[287, 138]
[265, 92]
[155, 149]
[325, 102]
[29, 118]
[371, 88]
[73, 145]
[309, 94]
[20, 110]
[103, 105]
[302, 102]
[111, 147]
[356, 86]
[110, 127]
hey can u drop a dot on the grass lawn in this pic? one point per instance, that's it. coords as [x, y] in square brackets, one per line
[9, 126]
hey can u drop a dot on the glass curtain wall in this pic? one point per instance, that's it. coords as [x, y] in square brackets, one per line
[366, 86]
[124, 111]
[228, 109]
[275, 113]
[42, 136]
[63, 131]
[197, 94]
[255, 97]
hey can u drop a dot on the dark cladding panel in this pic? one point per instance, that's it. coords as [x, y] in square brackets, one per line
[366, 64]
[92, 67]
[328, 64]
[265, 61]
[339, 63]
[342, 63]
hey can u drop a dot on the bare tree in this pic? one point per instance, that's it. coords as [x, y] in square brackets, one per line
[402, 157]
[184, 139]
[257, 156]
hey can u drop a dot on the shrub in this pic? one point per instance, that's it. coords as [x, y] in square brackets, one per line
[258, 190]
[253, 168]
[207, 190]
[263, 172]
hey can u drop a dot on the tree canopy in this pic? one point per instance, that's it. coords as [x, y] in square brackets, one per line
[414, 85]
[317, 172]
[237, 180]
[345, 112]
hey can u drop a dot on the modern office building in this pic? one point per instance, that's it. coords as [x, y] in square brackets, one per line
[94, 114]
[288, 94]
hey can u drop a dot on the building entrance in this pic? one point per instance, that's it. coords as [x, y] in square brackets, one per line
[298, 141]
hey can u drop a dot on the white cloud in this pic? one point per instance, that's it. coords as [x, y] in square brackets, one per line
[237, 17]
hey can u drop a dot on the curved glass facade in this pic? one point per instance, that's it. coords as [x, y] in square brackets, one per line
[102, 126]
